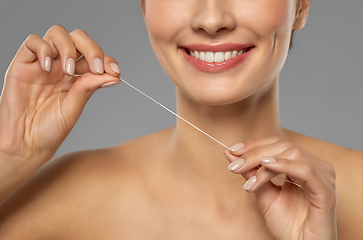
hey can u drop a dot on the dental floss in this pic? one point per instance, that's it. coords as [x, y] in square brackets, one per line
[200, 130]
[59, 108]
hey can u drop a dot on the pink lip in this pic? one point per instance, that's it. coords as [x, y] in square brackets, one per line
[215, 67]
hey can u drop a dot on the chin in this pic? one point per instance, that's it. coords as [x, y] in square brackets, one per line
[216, 97]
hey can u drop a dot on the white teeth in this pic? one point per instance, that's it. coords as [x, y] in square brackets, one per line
[227, 56]
[209, 57]
[216, 56]
[219, 57]
[234, 54]
[202, 56]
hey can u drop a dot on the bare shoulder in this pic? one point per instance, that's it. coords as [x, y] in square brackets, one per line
[75, 194]
[348, 164]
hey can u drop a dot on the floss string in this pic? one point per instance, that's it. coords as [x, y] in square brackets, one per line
[59, 108]
[200, 130]
[161, 105]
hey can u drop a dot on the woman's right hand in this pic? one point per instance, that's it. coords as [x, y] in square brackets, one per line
[31, 126]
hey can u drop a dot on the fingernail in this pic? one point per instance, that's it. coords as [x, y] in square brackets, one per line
[109, 84]
[250, 183]
[268, 160]
[47, 64]
[115, 68]
[98, 65]
[236, 147]
[236, 164]
[71, 66]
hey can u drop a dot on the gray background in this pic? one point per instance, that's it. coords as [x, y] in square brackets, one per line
[320, 87]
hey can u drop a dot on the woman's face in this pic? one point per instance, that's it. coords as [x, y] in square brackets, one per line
[222, 51]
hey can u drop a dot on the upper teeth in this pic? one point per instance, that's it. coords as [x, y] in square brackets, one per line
[216, 56]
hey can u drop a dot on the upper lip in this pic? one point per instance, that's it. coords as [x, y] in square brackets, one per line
[224, 47]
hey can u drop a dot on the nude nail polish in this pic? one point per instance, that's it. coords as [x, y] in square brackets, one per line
[109, 84]
[268, 160]
[115, 68]
[236, 147]
[236, 164]
[71, 66]
[98, 65]
[250, 183]
[47, 64]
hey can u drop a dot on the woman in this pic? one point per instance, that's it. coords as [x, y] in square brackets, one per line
[174, 184]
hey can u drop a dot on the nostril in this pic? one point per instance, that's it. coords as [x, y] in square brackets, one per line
[223, 29]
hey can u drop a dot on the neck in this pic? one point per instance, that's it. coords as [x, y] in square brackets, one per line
[202, 157]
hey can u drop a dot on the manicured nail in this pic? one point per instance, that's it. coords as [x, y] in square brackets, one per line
[47, 64]
[236, 164]
[71, 66]
[98, 65]
[250, 183]
[109, 84]
[115, 68]
[236, 147]
[268, 160]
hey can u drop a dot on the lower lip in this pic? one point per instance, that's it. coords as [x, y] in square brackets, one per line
[216, 67]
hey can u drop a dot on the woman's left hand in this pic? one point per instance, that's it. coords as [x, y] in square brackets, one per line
[307, 211]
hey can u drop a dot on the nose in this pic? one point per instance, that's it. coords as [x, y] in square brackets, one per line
[213, 17]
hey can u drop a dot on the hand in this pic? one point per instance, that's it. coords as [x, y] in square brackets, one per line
[291, 212]
[30, 123]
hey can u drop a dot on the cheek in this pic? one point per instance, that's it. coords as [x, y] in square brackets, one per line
[164, 19]
[167, 22]
[268, 17]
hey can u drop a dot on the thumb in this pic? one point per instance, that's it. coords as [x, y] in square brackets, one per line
[266, 193]
[82, 89]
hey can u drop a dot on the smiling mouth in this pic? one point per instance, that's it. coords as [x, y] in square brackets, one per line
[216, 57]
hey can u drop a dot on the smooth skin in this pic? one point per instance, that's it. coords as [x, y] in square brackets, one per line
[176, 183]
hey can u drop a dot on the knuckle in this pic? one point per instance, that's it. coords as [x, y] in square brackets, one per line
[250, 155]
[79, 32]
[32, 37]
[57, 28]
[285, 143]
[295, 152]
[109, 59]
[248, 142]
[86, 92]
[309, 170]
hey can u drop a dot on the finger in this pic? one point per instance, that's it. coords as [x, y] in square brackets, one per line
[242, 147]
[296, 153]
[111, 66]
[266, 192]
[90, 50]
[82, 66]
[35, 48]
[263, 175]
[63, 46]
[299, 172]
[252, 158]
